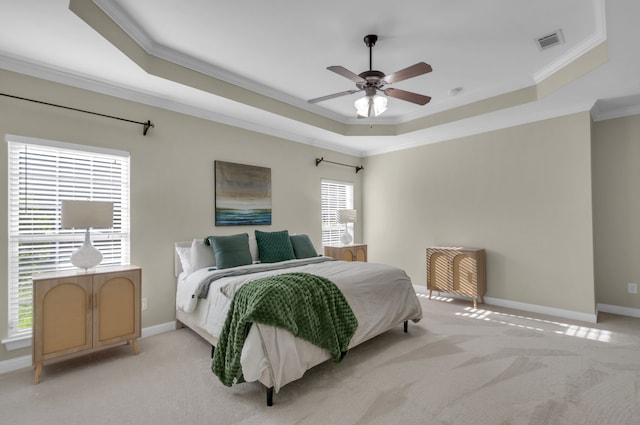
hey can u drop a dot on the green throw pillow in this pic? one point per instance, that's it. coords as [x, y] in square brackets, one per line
[231, 251]
[302, 246]
[274, 246]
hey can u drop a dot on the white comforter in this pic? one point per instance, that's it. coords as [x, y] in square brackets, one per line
[380, 296]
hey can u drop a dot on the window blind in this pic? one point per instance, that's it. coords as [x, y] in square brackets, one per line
[42, 174]
[335, 196]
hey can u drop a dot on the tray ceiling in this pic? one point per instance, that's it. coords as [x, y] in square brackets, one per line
[255, 64]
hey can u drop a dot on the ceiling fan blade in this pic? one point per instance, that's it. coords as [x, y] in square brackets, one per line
[410, 72]
[331, 96]
[408, 96]
[347, 74]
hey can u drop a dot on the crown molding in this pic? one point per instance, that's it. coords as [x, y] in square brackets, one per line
[475, 125]
[597, 114]
[62, 76]
[434, 135]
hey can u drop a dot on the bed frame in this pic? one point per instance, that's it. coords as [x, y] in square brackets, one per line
[183, 320]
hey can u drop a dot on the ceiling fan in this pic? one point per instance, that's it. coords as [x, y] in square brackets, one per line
[372, 81]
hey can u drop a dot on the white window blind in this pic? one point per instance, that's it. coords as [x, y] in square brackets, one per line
[335, 196]
[41, 175]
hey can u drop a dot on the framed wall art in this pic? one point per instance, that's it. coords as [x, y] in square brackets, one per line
[243, 194]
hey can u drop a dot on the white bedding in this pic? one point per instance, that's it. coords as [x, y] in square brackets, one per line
[380, 296]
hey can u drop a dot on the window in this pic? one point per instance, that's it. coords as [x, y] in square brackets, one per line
[335, 196]
[41, 174]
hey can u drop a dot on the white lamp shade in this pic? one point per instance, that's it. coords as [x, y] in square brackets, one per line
[86, 214]
[347, 216]
[362, 106]
[368, 106]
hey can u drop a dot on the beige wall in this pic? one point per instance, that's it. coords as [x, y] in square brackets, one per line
[616, 209]
[522, 193]
[172, 176]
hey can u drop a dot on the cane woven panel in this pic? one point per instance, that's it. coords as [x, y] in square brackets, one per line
[457, 270]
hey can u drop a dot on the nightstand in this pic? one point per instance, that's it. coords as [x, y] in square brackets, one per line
[77, 312]
[355, 252]
[457, 270]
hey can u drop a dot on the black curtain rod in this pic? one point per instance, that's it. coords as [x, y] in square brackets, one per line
[145, 125]
[357, 167]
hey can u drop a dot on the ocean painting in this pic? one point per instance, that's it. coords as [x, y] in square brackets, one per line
[243, 194]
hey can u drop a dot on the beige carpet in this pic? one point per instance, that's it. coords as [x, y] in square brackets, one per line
[457, 366]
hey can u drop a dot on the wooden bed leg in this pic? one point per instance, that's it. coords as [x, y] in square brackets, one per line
[213, 350]
[406, 326]
[270, 396]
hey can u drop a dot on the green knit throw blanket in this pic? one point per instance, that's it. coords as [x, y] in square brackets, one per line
[309, 306]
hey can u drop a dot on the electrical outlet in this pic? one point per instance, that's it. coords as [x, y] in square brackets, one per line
[632, 288]
[145, 304]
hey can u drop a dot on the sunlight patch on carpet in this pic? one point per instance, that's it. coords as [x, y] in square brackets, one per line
[536, 324]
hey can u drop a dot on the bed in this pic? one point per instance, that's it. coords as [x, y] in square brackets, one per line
[380, 296]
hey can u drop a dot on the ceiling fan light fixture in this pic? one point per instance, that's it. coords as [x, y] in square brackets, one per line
[368, 106]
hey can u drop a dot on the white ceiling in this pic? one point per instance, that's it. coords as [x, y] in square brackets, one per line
[281, 48]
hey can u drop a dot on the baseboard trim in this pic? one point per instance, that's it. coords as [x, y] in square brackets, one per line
[420, 289]
[158, 329]
[532, 308]
[616, 309]
[540, 309]
[22, 362]
[17, 363]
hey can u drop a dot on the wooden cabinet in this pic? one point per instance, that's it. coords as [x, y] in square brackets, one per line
[457, 270]
[353, 252]
[77, 312]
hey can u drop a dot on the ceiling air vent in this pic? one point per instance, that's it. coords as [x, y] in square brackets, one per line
[550, 40]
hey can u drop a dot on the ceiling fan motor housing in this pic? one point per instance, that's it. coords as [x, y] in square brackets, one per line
[372, 79]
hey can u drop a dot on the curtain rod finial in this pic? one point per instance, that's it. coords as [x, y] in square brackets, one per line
[146, 126]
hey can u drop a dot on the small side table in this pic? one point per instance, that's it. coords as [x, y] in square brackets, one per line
[355, 252]
[77, 312]
[457, 270]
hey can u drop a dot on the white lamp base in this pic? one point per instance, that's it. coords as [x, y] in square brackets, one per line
[87, 256]
[346, 238]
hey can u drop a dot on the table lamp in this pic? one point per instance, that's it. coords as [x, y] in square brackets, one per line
[85, 215]
[345, 217]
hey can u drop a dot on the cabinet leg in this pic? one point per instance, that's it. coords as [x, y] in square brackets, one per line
[475, 303]
[430, 293]
[134, 341]
[36, 374]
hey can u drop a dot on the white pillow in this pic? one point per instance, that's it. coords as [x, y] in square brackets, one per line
[253, 247]
[201, 255]
[184, 253]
